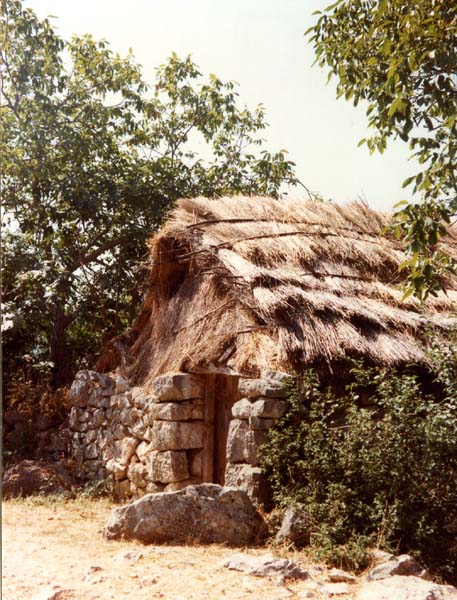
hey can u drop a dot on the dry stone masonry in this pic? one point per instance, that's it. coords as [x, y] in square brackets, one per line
[153, 439]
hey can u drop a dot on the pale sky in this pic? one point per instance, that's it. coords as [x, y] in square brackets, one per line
[261, 45]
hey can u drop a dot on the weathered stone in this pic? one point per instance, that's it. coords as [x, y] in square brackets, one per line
[154, 487]
[254, 388]
[124, 449]
[177, 386]
[96, 398]
[143, 449]
[84, 415]
[119, 431]
[261, 424]
[171, 411]
[117, 469]
[177, 435]
[139, 429]
[137, 473]
[83, 427]
[400, 565]
[107, 384]
[251, 480]
[236, 441]
[205, 513]
[195, 460]
[91, 436]
[81, 389]
[32, 477]
[265, 565]
[120, 401]
[340, 576]
[167, 467]
[122, 385]
[295, 527]
[242, 409]
[77, 450]
[73, 422]
[104, 439]
[180, 485]
[253, 440]
[91, 452]
[269, 408]
[98, 418]
[335, 589]
[399, 587]
[139, 397]
[107, 454]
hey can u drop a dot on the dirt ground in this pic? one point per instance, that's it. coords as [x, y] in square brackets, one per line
[48, 542]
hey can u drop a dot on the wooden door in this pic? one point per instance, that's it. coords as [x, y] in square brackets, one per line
[221, 394]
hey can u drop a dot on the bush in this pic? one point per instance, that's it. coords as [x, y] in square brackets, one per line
[383, 475]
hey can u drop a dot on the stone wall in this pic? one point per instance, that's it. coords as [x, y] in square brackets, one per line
[148, 441]
[152, 440]
[263, 402]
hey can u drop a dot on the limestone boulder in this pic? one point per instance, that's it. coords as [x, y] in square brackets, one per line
[206, 514]
[124, 449]
[33, 477]
[236, 441]
[176, 435]
[399, 587]
[177, 387]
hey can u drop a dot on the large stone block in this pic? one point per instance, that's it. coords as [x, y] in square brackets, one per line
[254, 388]
[177, 386]
[177, 435]
[167, 467]
[139, 397]
[258, 423]
[204, 513]
[236, 441]
[269, 408]
[171, 411]
[242, 409]
[254, 439]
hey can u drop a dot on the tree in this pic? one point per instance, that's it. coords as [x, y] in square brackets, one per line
[401, 58]
[91, 159]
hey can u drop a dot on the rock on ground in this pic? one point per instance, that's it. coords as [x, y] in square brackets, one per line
[265, 566]
[206, 513]
[33, 477]
[295, 527]
[399, 565]
[399, 587]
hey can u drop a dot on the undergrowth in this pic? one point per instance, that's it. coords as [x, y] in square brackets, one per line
[378, 476]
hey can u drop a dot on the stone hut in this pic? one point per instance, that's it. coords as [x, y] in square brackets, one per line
[241, 293]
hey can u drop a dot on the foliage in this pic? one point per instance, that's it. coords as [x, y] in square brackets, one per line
[383, 475]
[401, 58]
[91, 159]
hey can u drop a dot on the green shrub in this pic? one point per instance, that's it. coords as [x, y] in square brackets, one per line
[383, 475]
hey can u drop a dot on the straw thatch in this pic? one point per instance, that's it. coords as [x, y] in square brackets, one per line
[255, 283]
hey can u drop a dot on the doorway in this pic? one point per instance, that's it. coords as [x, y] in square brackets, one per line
[221, 392]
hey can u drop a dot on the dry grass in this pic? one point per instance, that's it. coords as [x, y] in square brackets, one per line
[49, 541]
[256, 283]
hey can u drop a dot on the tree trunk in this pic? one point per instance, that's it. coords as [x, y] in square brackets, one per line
[61, 370]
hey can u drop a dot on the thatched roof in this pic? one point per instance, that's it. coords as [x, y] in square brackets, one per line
[257, 283]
